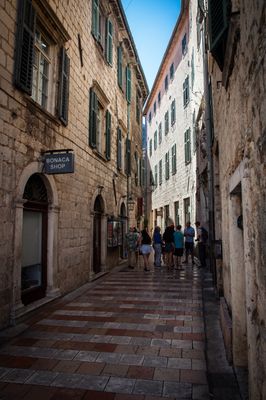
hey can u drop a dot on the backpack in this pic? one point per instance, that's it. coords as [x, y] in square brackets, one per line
[204, 235]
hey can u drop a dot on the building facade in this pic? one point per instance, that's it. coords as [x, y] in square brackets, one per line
[170, 113]
[71, 94]
[237, 75]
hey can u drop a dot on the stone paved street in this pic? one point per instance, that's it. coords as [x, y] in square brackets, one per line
[129, 335]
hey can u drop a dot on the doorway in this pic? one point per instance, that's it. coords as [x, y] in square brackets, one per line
[97, 237]
[34, 241]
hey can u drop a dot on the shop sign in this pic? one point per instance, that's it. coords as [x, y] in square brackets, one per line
[58, 163]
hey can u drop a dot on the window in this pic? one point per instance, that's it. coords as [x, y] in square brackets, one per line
[160, 172]
[177, 218]
[128, 84]
[136, 169]
[120, 66]
[99, 125]
[119, 149]
[150, 147]
[138, 107]
[109, 42]
[128, 157]
[151, 179]
[166, 123]
[184, 44]
[160, 133]
[187, 210]
[156, 175]
[173, 112]
[192, 70]
[187, 146]
[154, 107]
[155, 140]
[99, 27]
[194, 131]
[186, 92]
[172, 71]
[159, 99]
[36, 60]
[149, 117]
[166, 83]
[173, 159]
[167, 171]
[219, 14]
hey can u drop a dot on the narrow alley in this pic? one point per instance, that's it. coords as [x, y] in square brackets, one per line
[128, 335]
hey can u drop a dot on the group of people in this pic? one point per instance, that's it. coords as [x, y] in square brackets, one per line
[168, 247]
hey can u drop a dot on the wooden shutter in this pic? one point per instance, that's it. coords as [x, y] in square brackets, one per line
[95, 19]
[128, 84]
[173, 112]
[174, 159]
[218, 21]
[109, 42]
[64, 86]
[128, 156]
[119, 148]
[187, 147]
[93, 118]
[25, 46]
[119, 67]
[108, 135]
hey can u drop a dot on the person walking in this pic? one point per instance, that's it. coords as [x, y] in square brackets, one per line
[168, 238]
[202, 238]
[157, 245]
[131, 244]
[145, 247]
[189, 234]
[179, 246]
[137, 250]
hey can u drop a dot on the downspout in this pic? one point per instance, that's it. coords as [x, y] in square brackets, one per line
[128, 191]
[209, 133]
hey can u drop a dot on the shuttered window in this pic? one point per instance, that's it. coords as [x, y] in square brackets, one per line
[173, 159]
[128, 84]
[167, 169]
[108, 135]
[187, 145]
[128, 157]
[93, 118]
[35, 53]
[160, 133]
[25, 46]
[219, 12]
[150, 147]
[160, 172]
[166, 123]
[155, 140]
[109, 42]
[64, 87]
[156, 176]
[186, 92]
[120, 66]
[96, 19]
[173, 112]
[119, 148]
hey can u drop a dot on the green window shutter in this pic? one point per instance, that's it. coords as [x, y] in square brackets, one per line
[166, 122]
[93, 118]
[119, 67]
[218, 21]
[160, 133]
[156, 175]
[128, 84]
[174, 159]
[95, 19]
[187, 147]
[173, 113]
[155, 140]
[128, 157]
[150, 147]
[119, 149]
[167, 166]
[160, 172]
[109, 42]
[25, 46]
[64, 86]
[108, 135]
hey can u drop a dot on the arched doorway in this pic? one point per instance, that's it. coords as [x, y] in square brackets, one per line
[97, 239]
[34, 240]
[123, 219]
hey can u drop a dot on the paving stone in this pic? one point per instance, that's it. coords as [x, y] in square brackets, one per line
[42, 378]
[177, 390]
[166, 374]
[110, 358]
[143, 386]
[180, 363]
[67, 366]
[90, 368]
[44, 364]
[182, 344]
[193, 376]
[131, 359]
[115, 370]
[3, 372]
[120, 339]
[93, 395]
[170, 352]
[161, 342]
[67, 380]
[91, 382]
[17, 375]
[200, 392]
[150, 361]
[89, 356]
[120, 385]
[140, 372]
[67, 394]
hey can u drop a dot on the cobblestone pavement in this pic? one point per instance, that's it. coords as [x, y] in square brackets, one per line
[132, 335]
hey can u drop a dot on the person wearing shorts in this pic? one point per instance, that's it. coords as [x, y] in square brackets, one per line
[145, 247]
[189, 234]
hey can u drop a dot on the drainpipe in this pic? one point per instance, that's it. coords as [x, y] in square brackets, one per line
[128, 188]
[209, 133]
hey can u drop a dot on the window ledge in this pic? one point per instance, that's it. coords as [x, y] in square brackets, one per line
[33, 105]
[99, 155]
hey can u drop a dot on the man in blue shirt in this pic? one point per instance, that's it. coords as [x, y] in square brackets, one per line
[189, 234]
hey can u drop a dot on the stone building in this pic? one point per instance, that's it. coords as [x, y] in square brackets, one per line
[71, 94]
[171, 111]
[237, 76]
